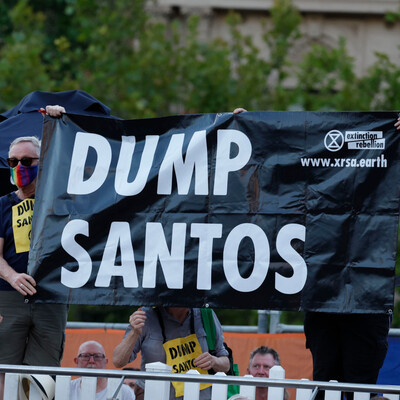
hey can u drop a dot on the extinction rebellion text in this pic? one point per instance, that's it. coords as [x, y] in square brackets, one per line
[378, 162]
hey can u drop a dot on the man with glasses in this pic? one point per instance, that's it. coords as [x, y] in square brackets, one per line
[92, 355]
[30, 334]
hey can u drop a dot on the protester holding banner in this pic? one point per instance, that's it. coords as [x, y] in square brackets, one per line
[34, 333]
[397, 124]
[347, 347]
[174, 336]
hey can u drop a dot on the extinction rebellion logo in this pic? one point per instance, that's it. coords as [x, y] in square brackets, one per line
[334, 140]
[356, 140]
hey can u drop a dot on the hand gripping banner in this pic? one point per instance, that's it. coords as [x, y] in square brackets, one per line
[263, 210]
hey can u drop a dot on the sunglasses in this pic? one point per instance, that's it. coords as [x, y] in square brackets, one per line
[25, 161]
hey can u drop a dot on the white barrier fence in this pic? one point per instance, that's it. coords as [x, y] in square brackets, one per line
[19, 384]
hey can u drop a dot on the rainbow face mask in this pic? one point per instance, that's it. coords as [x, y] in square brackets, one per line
[23, 176]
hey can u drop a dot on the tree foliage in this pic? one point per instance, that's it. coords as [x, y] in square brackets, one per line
[143, 66]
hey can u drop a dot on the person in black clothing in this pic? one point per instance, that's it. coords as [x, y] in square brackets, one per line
[34, 333]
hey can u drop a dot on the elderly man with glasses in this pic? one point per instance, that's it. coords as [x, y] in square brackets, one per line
[30, 333]
[92, 355]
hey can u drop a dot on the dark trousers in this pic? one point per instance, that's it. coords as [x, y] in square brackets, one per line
[346, 347]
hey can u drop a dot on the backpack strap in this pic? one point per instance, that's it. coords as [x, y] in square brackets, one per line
[161, 322]
[162, 326]
[209, 327]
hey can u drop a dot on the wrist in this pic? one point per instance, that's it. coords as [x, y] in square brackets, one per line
[135, 333]
[7, 274]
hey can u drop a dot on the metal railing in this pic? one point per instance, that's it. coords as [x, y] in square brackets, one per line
[278, 328]
[158, 381]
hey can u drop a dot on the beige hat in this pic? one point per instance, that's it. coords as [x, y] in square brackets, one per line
[43, 383]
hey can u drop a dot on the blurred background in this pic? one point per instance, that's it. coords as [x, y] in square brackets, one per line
[155, 58]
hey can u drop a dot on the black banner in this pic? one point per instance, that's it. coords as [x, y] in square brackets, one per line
[263, 210]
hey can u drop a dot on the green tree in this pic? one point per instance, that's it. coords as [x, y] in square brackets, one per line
[21, 67]
[326, 79]
[380, 88]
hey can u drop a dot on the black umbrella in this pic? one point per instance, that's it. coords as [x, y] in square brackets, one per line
[25, 120]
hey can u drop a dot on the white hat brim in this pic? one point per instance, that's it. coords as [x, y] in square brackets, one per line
[43, 383]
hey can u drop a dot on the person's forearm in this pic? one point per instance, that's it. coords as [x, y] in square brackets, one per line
[6, 271]
[221, 364]
[123, 351]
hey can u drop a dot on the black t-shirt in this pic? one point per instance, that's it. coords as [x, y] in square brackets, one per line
[18, 261]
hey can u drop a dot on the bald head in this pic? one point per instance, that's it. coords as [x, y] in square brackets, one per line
[92, 344]
[91, 354]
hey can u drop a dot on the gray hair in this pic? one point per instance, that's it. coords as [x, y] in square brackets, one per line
[32, 139]
[265, 350]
